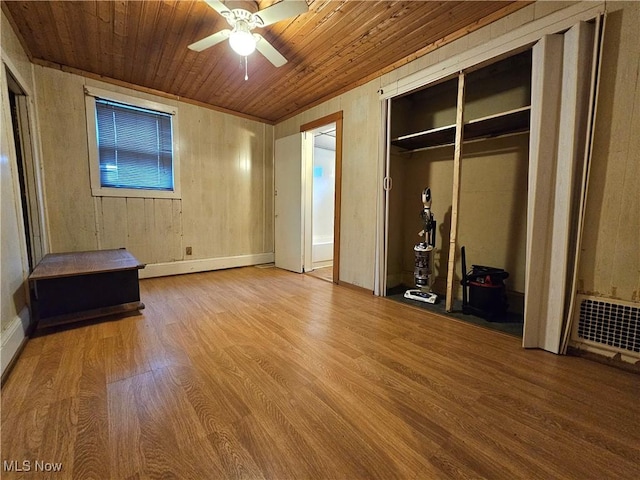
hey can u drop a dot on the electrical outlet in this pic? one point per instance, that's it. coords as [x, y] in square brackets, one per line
[189, 251]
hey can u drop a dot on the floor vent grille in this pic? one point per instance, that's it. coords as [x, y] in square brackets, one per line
[612, 325]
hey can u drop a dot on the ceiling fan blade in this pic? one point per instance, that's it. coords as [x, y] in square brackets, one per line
[210, 41]
[269, 51]
[218, 6]
[281, 10]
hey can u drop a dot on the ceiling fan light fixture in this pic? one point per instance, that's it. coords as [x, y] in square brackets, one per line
[241, 39]
[242, 21]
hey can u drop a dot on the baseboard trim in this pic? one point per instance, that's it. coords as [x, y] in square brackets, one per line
[600, 355]
[204, 265]
[357, 288]
[13, 339]
[322, 264]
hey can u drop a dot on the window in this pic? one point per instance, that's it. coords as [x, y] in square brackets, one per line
[131, 143]
[135, 147]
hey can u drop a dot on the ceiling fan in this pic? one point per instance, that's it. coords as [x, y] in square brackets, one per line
[242, 22]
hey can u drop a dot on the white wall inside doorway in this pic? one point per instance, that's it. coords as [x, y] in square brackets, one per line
[324, 169]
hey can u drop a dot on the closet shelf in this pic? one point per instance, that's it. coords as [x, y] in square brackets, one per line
[512, 121]
[428, 138]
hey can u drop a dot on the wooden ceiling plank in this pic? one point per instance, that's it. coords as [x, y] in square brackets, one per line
[44, 27]
[220, 63]
[315, 81]
[215, 63]
[349, 72]
[330, 32]
[62, 32]
[148, 40]
[209, 86]
[164, 16]
[394, 50]
[328, 57]
[119, 41]
[259, 67]
[230, 84]
[349, 52]
[105, 28]
[193, 63]
[80, 21]
[131, 44]
[176, 47]
[351, 11]
[189, 23]
[509, 8]
[347, 77]
[88, 23]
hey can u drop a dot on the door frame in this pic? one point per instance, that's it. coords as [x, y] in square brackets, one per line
[33, 224]
[321, 122]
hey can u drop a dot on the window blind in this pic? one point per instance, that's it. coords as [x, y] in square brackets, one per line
[135, 147]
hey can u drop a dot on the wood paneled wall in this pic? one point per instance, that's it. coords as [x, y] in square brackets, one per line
[226, 164]
[493, 207]
[13, 249]
[610, 256]
[360, 176]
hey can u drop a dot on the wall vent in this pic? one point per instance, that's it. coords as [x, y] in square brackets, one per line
[608, 324]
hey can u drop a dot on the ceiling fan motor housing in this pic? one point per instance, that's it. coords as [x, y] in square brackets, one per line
[239, 15]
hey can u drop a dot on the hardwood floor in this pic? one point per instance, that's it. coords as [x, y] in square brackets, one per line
[261, 373]
[323, 273]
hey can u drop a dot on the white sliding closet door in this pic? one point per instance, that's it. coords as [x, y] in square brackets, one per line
[560, 93]
[382, 240]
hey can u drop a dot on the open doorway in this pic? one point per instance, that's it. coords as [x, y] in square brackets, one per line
[324, 169]
[323, 201]
[293, 205]
[25, 164]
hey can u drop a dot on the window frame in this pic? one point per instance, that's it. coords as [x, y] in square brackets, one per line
[97, 190]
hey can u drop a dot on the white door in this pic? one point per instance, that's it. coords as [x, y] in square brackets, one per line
[382, 240]
[562, 87]
[289, 203]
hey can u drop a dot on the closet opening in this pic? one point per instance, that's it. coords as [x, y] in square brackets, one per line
[466, 139]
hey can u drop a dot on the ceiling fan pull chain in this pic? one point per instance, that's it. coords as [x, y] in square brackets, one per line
[246, 74]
